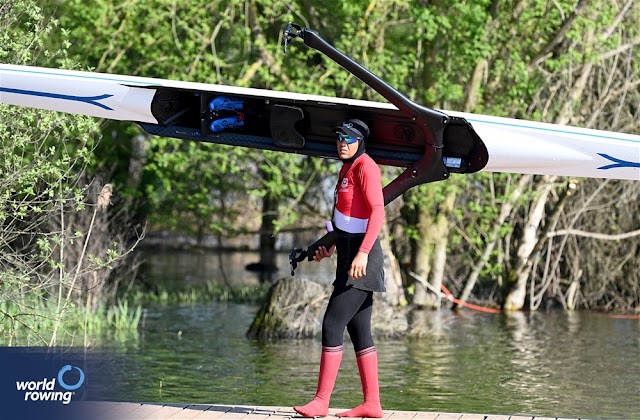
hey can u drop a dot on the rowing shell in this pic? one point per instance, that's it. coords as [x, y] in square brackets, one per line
[299, 123]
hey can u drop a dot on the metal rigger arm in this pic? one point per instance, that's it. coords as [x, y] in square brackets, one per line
[429, 168]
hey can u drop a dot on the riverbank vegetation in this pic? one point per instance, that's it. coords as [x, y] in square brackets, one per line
[79, 194]
[208, 292]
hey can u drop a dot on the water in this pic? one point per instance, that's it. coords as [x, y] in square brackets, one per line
[187, 268]
[565, 365]
[546, 364]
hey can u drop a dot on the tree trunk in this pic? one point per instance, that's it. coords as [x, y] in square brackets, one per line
[514, 300]
[517, 285]
[422, 256]
[137, 160]
[505, 211]
[267, 265]
[441, 241]
[430, 248]
[394, 295]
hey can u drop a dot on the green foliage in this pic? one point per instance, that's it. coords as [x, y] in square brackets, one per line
[43, 152]
[29, 319]
[201, 293]
[46, 164]
[191, 187]
[526, 56]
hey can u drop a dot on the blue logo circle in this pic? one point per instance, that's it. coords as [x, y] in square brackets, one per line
[70, 387]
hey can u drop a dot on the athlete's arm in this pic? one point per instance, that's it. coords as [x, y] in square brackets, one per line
[371, 184]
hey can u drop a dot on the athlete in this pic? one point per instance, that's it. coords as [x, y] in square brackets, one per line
[357, 219]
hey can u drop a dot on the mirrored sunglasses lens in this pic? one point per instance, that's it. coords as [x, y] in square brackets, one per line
[347, 139]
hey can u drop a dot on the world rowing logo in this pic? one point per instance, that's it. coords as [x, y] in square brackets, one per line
[345, 182]
[74, 386]
[45, 390]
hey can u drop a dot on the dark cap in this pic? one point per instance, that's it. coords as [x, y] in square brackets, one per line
[353, 127]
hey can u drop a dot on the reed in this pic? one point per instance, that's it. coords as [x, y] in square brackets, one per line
[244, 294]
[30, 320]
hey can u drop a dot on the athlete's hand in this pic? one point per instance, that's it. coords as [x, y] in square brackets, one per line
[323, 252]
[359, 265]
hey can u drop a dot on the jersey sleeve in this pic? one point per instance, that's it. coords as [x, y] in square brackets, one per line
[370, 180]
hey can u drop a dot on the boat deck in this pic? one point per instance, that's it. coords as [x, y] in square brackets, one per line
[135, 411]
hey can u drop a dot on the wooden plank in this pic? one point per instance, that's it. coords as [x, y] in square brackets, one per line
[403, 415]
[167, 410]
[472, 417]
[423, 415]
[190, 412]
[97, 407]
[119, 411]
[207, 415]
[200, 411]
[105, 410]
[280, 412]
[212, 413]
[386, 414]
[448, 416]
[145, 410]
[239, 412]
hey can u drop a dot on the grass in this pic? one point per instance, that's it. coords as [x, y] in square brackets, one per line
[29, 318]
[209, 292]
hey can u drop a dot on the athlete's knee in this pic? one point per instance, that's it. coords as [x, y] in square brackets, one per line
[332, 330]
[361, 336]
[332, 337]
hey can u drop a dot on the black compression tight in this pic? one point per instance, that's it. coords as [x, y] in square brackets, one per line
[348, 308]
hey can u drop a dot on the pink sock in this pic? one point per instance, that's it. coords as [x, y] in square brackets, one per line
[368, 367]
[329, 366]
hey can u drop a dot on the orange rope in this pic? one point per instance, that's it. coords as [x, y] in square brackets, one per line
[620, 316]
[449, 296]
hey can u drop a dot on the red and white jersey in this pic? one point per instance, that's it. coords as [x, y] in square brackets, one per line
[359, 204]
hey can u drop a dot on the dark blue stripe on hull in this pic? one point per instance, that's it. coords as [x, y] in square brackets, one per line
[91, 100]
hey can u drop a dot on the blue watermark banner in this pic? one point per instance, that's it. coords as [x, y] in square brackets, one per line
[47, 383]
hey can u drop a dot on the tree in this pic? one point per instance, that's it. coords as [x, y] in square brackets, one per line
[563, 61]
[56, 248]
[571, 53]
[203, 42]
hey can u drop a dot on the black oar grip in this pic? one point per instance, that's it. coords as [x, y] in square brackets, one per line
[326, 241]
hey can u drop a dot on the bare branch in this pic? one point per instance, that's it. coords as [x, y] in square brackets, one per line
[600, 236]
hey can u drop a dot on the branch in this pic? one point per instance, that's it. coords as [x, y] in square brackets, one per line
[620, 49]
[559, 35]
[16, 318]
[618, 19]
[566, 112]
[261, 41]
[601, 236]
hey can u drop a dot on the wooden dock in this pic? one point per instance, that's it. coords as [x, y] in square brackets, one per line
[100, 410]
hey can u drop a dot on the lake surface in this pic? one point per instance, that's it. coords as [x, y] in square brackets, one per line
[571, 365]
[549, 364]
[184, 268]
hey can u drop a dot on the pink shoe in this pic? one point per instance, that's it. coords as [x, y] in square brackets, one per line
[329, 366]
[368, 367]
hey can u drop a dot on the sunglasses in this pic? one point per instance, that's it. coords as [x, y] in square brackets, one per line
[347, 139]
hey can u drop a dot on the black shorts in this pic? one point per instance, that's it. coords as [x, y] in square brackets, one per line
[347, 246]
